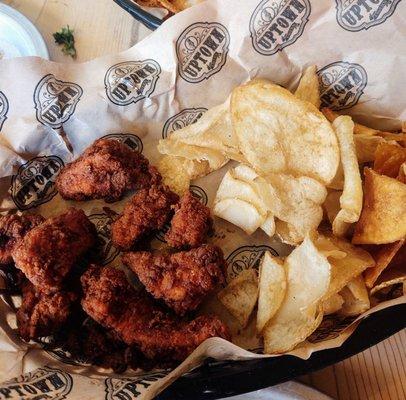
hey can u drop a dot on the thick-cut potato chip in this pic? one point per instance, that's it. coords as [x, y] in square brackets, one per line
[383, 255]
[279, 133]
[177, 172]
[308, 279]
[308, 89]
[343, 268]
[366, 146]
[269, 226]
[389, 158]
[332, 304]
[383, 217]
[240, 213]
[240, 296]
[356, 299]
[351, 198]
[272, 288]
[332, 204]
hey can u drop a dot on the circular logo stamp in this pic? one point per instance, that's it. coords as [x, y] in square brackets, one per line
[42, 383]
[341, 84]
[246, 257]
[356, 15]
[107, 251]
[55, 100]
[275, 25]
[34, 183]
[129, 139]
[186, 117]
[131, 81]
[202, 50]
[3, 108]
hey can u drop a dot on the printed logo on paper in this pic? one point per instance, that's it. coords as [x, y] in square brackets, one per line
[276, 24]
[186, 117]
[202, 50]
[197, 192]
[357, 15]
[331, 327]
[3, 108]
[131, 81]
[43, 383]
[55, 100]
[107, 251]
[246, 257]
[130, 388]
[341, 84]
[129, 139]
[34, 183]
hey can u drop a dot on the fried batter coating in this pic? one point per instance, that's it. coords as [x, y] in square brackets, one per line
[147, 211]
[48, 252]
[106, 170]
[12, 229]
[111, 301]
[42, 314]
[190, 224]
[182, 280]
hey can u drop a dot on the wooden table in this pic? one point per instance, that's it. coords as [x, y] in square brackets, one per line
[101, 28]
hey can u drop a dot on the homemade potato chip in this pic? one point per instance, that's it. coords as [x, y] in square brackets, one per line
[389, 158]
[240, 296]
[308, 89]
[332, 304]
[356, 299]
[279, 133]
[402, 173]
[332, 204]
[269, 226]
[383, 255]
[383, 217]
[351, 198]
[366, 146]
[272, 288]
[308, 279]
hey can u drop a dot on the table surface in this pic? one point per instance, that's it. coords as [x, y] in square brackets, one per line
[101, 28]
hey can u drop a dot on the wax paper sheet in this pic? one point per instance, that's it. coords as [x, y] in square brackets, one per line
[49, 113]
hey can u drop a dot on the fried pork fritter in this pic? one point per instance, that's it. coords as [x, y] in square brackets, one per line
[51, 250]
[42, 314]
[190, 224]
[12, 230]
[111, 301]
[182, 280]
[106, 170]
[147, 211]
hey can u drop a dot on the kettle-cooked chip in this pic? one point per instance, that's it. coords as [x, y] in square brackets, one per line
[356, 299]
[389, 157]
[279, 133]
[308, 89]
[332, 304]
[383, 217]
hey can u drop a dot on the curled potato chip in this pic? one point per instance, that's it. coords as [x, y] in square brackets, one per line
[356, 299]
[269, 120]
[240, 295]
[332, 304]
[383, 217]
[366, 146]
[332, 204]
[351, 198]
[308, 89]
[383, 255]
[389, 158]
[272, 288]
[308, 280]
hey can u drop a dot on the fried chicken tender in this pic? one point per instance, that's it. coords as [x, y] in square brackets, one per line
[147, 211]
[190, 224]
[182, 280]
[12, 229]
[51, 250]
[111, 301]
[106, 170]
[42, 314]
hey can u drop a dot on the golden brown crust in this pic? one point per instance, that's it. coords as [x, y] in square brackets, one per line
[111, 301]
[190, 224]
[51, 250]
[147, 211]
[182, 280]
[106, 170]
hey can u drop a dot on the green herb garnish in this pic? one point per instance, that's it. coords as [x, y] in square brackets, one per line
[65, 38]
